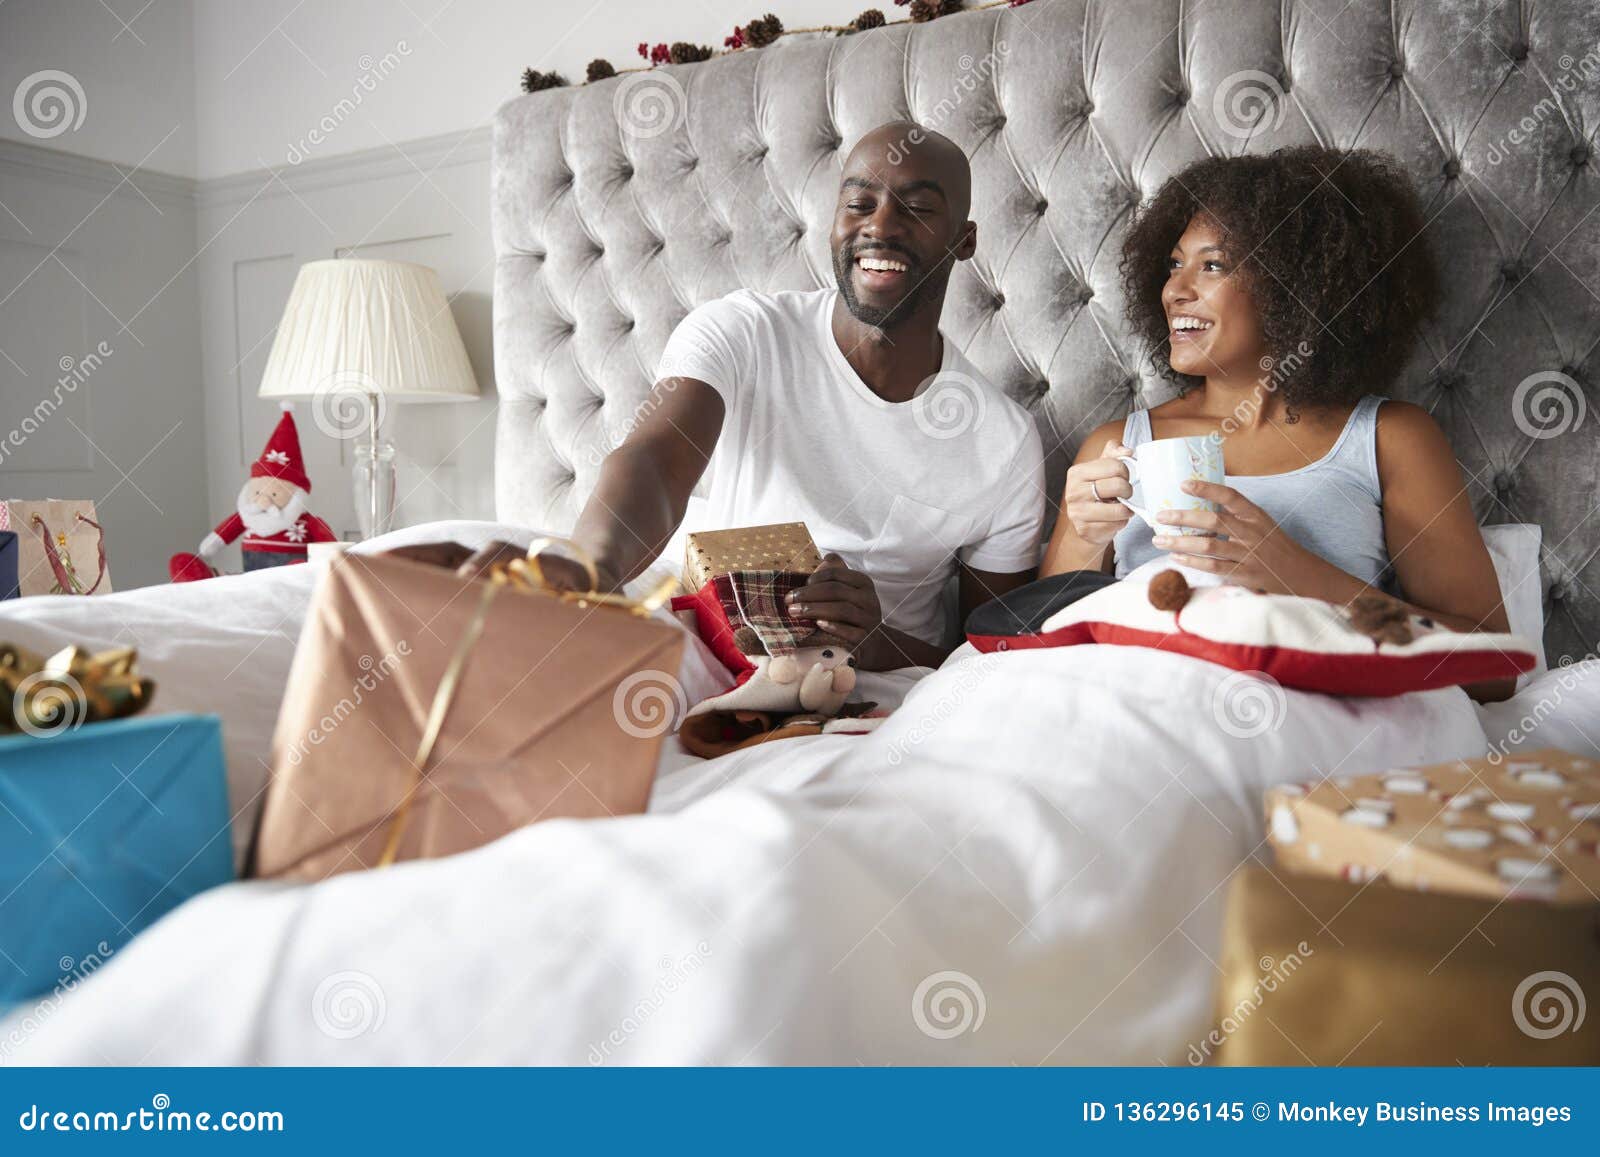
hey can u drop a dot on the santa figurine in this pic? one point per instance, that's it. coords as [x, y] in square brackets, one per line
[271, 513]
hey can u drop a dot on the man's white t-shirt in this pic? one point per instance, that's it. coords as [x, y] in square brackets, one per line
[899, 490]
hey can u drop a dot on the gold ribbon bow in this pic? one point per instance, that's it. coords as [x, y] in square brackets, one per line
[72, 687]
[527, 576]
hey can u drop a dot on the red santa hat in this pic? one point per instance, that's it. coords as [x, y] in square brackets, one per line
[281, 458]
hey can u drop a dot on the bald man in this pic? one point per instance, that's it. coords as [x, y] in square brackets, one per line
[845, 409]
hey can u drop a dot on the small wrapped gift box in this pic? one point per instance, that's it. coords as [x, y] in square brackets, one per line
[103, 829]
[1323, 972]
[1527, 827]
[783, 546]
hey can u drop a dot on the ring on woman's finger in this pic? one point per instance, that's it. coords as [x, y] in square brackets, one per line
[1094, 488]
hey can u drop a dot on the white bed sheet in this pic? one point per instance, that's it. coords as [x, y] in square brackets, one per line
[1025, 864]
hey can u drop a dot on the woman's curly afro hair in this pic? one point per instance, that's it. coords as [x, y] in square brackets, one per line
[1330, 245]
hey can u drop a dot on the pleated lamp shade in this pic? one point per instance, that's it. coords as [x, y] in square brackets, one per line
[368, 327]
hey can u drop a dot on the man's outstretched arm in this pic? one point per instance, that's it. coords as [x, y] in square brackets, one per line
[643, 490]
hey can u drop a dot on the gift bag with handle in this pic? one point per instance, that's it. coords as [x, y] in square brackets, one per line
[61, 548]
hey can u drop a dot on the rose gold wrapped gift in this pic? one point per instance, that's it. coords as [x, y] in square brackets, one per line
[427, 715]
[781, 546]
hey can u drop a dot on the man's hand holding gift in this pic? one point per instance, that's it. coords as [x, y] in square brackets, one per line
[844, 602]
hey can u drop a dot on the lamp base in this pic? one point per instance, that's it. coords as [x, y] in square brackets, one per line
[374, 487]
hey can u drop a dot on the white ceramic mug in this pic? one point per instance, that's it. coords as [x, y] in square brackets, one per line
[1158, 471]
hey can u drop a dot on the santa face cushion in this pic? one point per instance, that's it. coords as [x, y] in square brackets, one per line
[1374, 646]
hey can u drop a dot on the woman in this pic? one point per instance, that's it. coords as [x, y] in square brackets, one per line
[1284, 294]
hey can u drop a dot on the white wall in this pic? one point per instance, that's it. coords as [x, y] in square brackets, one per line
[268, 71]
[134, 64]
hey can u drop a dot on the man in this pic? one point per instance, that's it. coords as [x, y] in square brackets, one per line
[845, 409]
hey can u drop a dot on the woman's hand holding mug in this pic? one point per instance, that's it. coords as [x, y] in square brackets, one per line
[1092, 493]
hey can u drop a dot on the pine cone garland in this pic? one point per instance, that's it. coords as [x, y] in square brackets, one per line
[682, 52]
[921, 11]
[599, 69]
[763, 31]
[950, 7]
[538, 81]
[871, 18]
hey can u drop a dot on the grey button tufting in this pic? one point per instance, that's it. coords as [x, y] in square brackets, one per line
[1513, 271]
[997, 301]
[1396, 69]
[1183, 95]
[1579, 156]
[1518, 52]
[1452, 169]
[1041, 206]
[625, 173]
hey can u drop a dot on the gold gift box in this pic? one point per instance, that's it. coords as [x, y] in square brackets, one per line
[1527, 826]
[780, 546]
[1323, 972]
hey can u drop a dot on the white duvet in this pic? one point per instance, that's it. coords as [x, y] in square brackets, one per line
[1025, 864]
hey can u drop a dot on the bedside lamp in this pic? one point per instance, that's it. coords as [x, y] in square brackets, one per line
[356, 335]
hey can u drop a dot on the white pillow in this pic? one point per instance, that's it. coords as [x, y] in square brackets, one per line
[1514, 548]
[1560, 708]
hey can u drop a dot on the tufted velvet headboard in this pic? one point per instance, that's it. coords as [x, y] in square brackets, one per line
[618, 206]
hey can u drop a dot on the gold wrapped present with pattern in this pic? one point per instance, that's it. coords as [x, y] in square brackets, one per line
[783, 546]
[1526, 827]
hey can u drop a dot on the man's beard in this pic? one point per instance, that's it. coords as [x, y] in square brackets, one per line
[264, 522]
[925, 286]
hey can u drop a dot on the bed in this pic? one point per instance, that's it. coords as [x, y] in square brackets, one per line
[1026, 862]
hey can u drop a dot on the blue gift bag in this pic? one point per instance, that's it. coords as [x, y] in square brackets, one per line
[103, 829]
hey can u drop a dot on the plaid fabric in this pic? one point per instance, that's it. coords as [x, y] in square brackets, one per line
[754, 601]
